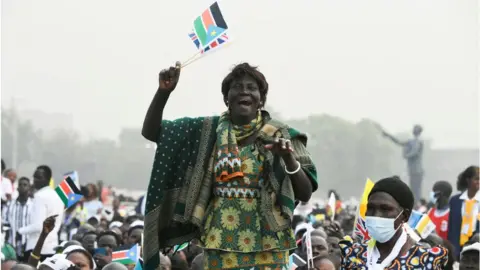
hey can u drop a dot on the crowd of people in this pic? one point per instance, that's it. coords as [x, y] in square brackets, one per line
[233, 192]
[55, 239]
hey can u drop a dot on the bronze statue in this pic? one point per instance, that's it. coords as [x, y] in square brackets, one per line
[412, 152]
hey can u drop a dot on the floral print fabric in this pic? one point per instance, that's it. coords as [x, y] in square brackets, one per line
[236, 236]
[354, 256]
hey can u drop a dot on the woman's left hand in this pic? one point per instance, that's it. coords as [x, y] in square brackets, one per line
[281, 147]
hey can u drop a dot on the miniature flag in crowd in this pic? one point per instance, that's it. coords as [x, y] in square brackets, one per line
[359, 229]
[215, 44]
[296, 261]
[332, 201]
[181, 247]
[68, 192]
[139, 265]
[209, 26]
[421, 223]
[125, 255]
[74, 176]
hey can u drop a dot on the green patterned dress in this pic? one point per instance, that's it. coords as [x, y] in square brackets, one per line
[236, 236]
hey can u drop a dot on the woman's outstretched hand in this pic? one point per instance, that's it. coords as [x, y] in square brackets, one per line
[280, 146]
[168, 78]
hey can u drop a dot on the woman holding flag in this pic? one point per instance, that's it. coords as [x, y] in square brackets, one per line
[231, 181]
[389, 206]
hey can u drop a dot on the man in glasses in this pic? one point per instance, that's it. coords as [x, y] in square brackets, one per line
[440, 196]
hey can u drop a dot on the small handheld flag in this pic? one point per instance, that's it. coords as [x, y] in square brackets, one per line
[209, 32]
[68, 192]
[421, 223]
[139, 265]
[216, 44]
[125, 256]
[210, 25]
[359, 228]
[74, 176]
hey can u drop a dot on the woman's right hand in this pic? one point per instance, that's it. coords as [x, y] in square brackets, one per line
[168, 78]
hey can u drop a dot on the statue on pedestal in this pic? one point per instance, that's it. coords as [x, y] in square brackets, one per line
[412, 152]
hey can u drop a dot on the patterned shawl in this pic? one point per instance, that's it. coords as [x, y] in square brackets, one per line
[180, 187]
[227, 164]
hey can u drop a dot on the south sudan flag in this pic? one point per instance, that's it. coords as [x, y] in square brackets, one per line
[68, 192]
[210, 25]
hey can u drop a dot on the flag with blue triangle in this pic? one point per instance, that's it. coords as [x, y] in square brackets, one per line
[139, 265]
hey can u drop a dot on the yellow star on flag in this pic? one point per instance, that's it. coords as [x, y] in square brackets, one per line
[213, 33]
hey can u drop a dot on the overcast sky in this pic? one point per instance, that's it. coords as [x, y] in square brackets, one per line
[399, 62]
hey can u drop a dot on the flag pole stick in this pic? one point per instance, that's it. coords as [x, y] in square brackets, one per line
[191, 59]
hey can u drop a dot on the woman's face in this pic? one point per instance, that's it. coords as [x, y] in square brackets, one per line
[135, 237]
[382, 204]
[244, 98]
[474, 182]
[80, 260]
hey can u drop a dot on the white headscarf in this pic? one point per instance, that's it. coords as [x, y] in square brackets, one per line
[57, 262]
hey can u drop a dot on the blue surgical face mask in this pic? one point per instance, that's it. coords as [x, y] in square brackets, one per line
[381, 229]
[433, 198]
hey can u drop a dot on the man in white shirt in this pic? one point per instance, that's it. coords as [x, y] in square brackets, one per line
[45, 203]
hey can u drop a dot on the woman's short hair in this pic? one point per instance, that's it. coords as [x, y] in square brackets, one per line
[242, 70]
[84, 252]
[462, 181]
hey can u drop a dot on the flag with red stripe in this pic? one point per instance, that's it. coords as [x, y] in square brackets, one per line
[68, 192]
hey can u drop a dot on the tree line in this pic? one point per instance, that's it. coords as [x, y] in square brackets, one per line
[345, 153]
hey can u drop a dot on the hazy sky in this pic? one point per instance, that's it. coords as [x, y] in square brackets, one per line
[399, 62]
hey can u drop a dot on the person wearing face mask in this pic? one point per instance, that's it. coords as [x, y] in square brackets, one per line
[439, 196]
[389, 206]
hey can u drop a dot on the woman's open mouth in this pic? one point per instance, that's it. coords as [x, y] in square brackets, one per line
[245, 102]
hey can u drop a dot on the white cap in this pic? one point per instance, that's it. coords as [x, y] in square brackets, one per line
[137, 223]
[475, 247]
[115, 224]
[77, 247]
[57, 262]
[72, 248]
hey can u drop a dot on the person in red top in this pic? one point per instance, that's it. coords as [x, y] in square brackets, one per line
[440, 196]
